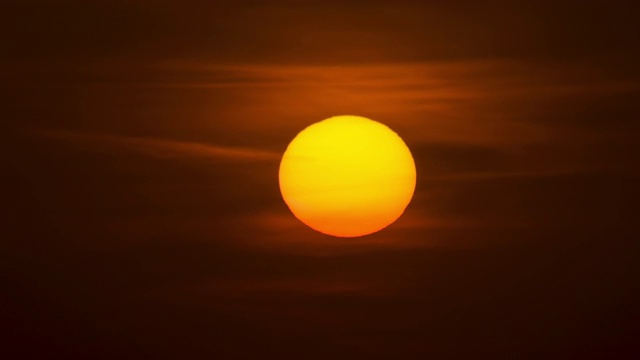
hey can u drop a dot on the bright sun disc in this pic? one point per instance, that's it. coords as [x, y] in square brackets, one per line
[347, 176]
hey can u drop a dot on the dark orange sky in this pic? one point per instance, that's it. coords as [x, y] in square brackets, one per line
[143, 217]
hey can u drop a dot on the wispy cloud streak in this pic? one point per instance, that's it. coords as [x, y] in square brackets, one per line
[162, 148]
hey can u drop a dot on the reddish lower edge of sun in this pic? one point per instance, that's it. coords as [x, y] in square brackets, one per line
[347, 176]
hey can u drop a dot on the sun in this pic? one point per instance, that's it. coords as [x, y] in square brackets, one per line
[347, 176]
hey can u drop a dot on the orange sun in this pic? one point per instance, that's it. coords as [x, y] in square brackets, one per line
[347, 176]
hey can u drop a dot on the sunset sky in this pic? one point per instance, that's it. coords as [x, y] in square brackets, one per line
[143, 217]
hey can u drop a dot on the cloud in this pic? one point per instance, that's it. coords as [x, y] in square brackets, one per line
[311, 287]
[495, 102]
[161, 148]
[277, 230]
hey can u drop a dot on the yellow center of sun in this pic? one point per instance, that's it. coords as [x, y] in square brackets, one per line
[347, 176]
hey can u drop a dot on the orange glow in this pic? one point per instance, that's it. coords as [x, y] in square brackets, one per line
[347, 176]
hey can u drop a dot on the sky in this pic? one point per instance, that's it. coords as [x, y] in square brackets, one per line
[143, 217]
